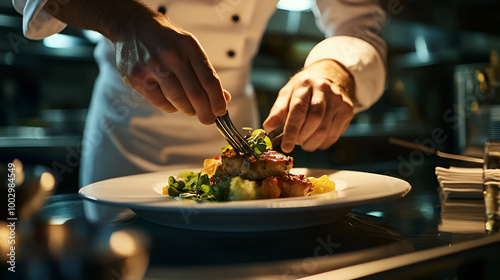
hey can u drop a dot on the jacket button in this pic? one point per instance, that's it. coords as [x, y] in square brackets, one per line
[231, 53]
[162, 9]
[236, 18]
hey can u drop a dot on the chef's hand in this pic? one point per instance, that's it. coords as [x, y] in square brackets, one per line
[315, 105]
[168, 66]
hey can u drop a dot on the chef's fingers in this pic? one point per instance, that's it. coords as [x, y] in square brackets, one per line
[174, 92]
[279, 111]
[334, 135]
[227, 96]
[170, 79]
[298, 108]
[163, 104]
[315, 114]
[147, 86]
[194, 91]
[210, 82]
[321, 133]
[341, 121]
[199, 97]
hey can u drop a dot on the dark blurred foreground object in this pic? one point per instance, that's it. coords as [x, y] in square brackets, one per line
[38, 247]
[76, 250]
[24, 188]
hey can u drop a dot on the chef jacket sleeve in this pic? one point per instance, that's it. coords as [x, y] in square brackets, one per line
[353, 30]
[38, 23]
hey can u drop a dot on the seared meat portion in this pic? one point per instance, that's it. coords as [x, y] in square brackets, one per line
[270, 163]
[288, 185]
[231, 163]
[270, 170]
[271, 187]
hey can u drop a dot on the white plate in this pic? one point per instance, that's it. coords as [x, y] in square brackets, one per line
[142, 194]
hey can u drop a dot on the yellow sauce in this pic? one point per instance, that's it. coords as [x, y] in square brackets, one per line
[322, 184]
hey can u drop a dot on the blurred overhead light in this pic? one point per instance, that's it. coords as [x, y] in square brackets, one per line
[295, 5]
[47, 181]
[421, 48]
[376, 213]
[122, 243]
[61, 41]
[19, 171]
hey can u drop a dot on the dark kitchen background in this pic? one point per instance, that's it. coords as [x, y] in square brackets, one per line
[440, 88]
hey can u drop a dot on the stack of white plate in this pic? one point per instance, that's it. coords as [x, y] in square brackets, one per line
[460, 182]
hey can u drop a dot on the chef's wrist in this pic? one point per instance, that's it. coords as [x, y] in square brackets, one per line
[130, 22]
[115, 19]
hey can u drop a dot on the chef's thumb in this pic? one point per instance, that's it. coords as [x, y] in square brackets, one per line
[227, 96]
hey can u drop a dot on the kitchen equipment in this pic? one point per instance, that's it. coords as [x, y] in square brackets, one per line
[227, 129]
[475, 115]
[276, 135]
[430, 150]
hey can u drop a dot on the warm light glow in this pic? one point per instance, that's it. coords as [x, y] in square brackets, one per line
[399, 86]
[47, 181]
[18, 164]
[18, 171]
[56, 239]
[122, 243]
[4, 236]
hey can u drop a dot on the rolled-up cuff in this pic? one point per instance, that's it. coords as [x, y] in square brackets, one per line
[38, 23]
[363, 62]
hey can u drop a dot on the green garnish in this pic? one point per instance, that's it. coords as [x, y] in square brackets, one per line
[258, 141]
[227, 147]
[221, 189]
[193, 185]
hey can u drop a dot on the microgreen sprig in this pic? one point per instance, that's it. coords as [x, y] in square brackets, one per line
[257, 140]
[197, 186]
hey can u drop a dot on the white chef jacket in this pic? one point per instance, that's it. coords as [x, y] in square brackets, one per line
[125, 135]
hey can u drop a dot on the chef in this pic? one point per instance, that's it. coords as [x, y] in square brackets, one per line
[167, 68]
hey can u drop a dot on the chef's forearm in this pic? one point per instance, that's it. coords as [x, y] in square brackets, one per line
[115, 19]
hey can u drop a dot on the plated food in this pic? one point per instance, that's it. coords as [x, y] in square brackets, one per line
[233, 176]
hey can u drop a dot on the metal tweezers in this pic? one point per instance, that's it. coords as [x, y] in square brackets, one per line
[238, 142]
[227, 129]
[276, 135]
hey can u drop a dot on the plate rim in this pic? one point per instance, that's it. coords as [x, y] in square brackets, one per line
[250, 206]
